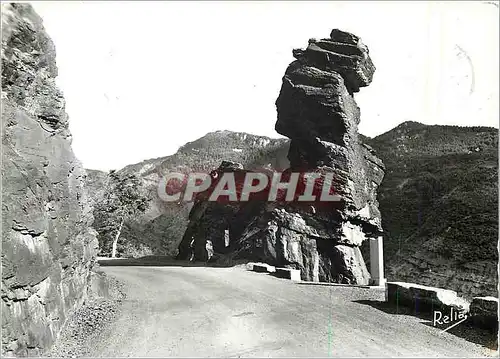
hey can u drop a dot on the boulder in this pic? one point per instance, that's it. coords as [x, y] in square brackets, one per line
[343, 53]
[287, 273]
[263, 268]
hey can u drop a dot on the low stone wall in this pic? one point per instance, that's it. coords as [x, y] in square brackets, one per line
[481, 312]
[424, 298]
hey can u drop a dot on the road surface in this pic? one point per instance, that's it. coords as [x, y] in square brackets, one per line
[232, 312]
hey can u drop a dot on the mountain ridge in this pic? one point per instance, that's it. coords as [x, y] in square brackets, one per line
[363, 136]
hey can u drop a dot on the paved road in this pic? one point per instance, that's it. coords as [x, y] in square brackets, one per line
[231, 312]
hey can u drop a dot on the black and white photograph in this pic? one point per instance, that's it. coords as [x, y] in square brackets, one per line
[250, 179]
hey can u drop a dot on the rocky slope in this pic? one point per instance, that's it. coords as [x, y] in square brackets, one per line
[439, 204]
[317, 111]
[96, 183]
[48, 247]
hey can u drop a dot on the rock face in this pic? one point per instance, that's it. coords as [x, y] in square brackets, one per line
[48, 247]
[96, 183]
[317, 111]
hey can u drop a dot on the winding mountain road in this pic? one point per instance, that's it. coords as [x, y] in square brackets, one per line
[231, 312]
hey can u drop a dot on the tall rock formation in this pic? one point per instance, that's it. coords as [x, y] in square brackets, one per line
[48, 247]
[317, 111]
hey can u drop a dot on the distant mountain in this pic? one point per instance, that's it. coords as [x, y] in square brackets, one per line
[207, 152]
[438, 199]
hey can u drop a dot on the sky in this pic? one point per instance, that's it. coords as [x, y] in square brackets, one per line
[143, 78]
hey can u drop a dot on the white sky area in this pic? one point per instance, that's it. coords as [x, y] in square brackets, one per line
[143, 78]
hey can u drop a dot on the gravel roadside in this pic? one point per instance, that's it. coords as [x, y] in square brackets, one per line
[90, 321]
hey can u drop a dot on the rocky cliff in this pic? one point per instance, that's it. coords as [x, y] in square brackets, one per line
[317, 111]
[48, 247]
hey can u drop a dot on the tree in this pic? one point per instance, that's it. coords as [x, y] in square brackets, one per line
[123, 199]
